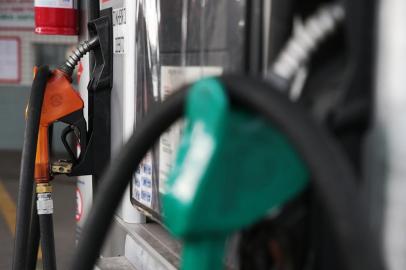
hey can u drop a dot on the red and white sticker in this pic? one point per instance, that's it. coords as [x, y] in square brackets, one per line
[79, 205]
[56, 3]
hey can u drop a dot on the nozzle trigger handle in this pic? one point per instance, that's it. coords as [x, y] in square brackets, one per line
[77, 125]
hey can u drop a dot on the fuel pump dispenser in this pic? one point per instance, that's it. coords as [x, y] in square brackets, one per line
[248, 147]
[334, 181]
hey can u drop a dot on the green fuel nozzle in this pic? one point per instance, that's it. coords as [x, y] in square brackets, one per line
[232, 168]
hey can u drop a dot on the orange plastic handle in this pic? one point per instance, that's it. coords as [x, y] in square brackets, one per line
[41, 173]
[60, 99]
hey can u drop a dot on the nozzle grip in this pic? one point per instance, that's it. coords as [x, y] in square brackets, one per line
[41, 174]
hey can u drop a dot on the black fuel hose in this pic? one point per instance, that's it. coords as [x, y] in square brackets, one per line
[33, 237]
[47, 241]
[332, 176]
[26, 187]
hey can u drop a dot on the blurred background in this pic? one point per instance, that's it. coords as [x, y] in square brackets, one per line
[20, 50]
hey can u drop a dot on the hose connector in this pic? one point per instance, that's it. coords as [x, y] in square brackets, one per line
[83, 48]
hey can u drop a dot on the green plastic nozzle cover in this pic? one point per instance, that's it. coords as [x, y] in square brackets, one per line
[231, 169]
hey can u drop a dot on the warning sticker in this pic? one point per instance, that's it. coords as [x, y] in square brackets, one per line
[45, 205]
[119, 24]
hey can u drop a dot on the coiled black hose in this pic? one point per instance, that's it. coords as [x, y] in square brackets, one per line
[26, 185]
[333, 177]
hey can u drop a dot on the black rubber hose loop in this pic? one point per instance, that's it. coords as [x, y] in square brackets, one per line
[26, 185]
[331, 173]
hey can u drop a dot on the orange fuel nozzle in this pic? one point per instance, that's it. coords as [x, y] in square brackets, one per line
[60, 100]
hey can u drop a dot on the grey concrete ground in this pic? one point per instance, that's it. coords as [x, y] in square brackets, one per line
[64, 208]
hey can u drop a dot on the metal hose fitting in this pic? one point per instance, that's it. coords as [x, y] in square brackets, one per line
[83, 48]
[306, 40]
